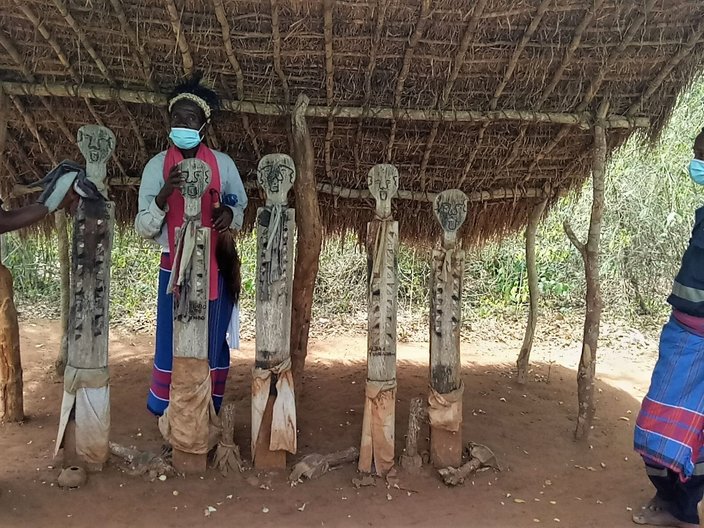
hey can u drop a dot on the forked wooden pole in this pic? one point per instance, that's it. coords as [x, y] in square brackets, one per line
[590, 255]
[533, 291]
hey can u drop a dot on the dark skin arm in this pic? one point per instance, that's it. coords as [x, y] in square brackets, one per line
[22, 217]
[173, 182]
[222, 218]
[30, 214]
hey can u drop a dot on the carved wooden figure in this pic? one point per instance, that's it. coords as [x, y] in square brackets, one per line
[446, 388]
[377, 446]
[84, 425]
[273, 399]
[190, 405]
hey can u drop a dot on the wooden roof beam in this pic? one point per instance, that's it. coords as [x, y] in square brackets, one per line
[329, 81]
[276, 42]
[24, 157]
[583, 120]
[382, 7]
[32, 126]
[510, 68]
[418, 31]
[670, 65]
[140, 57]
[598, 80]
[180, 36]
[87, 45]
[44, 32]
[221, 15]
[557, 75]
[357, 194]
[17, 57]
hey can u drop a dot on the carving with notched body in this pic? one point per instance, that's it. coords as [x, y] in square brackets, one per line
[196, 177]
[96, 143]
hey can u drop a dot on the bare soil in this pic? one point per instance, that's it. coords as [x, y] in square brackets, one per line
[547, 478]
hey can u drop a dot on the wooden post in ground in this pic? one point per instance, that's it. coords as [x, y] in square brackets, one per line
[11, 402]
[590, 255]
[273, 396]
[377, 446]
[309, 242]
[190, 401]
[446, 388]
[533, 292]
[65, 271]
[84, 425]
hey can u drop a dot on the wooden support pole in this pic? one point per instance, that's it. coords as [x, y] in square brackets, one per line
[378, 426]
[84, 425]
[65, 273]
[583, 119]
[590, 255]
[446, 388]
[11, 402]
[310, 239]
[533, 292]
[273, 396]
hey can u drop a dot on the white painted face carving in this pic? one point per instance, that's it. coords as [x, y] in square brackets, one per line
[196, 175]
[276, 174]
[450, 209]
[96, 143]
[383, 184]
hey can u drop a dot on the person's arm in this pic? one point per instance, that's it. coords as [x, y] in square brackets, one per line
[151, 215]
[22, 217]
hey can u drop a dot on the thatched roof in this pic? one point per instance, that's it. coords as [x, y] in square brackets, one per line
[495, 97]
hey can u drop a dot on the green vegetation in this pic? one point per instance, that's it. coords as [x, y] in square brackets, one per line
[650, 205]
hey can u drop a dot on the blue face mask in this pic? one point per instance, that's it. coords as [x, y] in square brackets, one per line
[696, 171]
[185, 138]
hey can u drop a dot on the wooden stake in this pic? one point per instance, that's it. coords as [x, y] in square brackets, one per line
[378, 427]
[310, 239]
[411, 460]
[11, 403]
[273, 397]
[590, 255]
[445, 399]
[65, 270]
[533, 292]
[189, 409]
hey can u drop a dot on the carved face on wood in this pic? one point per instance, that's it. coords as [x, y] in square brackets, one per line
[196, 177]
[96, 143]
[276, 174]
[383, 184]
[450, 209]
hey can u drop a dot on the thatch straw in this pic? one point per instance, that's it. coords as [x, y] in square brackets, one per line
[487, 96]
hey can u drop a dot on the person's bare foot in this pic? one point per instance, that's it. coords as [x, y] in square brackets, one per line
[654, 513]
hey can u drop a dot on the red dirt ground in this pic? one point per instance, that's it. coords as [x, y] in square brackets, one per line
[547, 479]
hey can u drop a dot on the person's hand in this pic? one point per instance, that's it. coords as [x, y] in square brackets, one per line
[173, 181]
[70, 201]
[222, 218]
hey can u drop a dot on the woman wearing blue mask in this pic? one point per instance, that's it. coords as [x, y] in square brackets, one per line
[669, 432]
[161, 208]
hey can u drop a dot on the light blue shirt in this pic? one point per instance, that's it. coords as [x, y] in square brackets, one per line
[150, 223]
